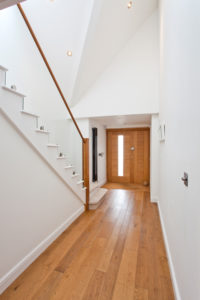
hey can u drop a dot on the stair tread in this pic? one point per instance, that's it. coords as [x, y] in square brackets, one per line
[42, 131]
[29, 113]
[80, 181]
[75, 175]
[13, 91]
[52, 145]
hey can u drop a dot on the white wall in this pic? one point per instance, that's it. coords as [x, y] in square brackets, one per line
[130, 84]
[179, 109]
[101, 147]
[111, 26]
[36, 206]
[74, 147]
[59, 26]
[26, 69]
[154, 157]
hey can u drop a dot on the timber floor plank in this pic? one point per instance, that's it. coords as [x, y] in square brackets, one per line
[116, 252]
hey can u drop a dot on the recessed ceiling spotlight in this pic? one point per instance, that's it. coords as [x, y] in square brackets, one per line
[69, 53]
[129, 5]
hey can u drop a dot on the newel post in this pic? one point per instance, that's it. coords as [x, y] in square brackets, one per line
[86, 176]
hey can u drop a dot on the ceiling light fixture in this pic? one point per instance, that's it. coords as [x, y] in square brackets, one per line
[129, 5]
[69, 53]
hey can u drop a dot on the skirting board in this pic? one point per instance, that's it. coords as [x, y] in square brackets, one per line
[7, 279]
[154, 199]
[171, 265]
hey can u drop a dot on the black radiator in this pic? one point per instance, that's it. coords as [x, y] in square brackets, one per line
[94, 155]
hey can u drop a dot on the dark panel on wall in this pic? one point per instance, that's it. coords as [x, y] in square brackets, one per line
[94, 154]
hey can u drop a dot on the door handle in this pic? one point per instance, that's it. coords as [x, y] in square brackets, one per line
[132, 148]
[185, 179]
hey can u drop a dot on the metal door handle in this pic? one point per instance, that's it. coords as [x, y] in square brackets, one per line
[185, 179]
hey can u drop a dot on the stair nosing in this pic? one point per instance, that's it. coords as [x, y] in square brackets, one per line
[42, 131]
[81, 181]
[52, 145]
[75, 175]
[29, 113]
[12, 91]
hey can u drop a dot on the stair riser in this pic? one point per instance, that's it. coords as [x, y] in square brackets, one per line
[11, 102]
[69, 171]
[61, 162]
[2, 77]
[52, 152]
[76, 179]
[41, 139]
[30, 121]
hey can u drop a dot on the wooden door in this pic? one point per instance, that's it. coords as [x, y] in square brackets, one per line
[112, 156]
[135, 155]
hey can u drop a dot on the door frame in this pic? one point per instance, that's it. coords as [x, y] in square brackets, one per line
[128, 129]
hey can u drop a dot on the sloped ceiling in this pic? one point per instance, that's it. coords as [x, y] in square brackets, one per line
[94, 30]
[111, 26]
[61, 25]
[130, 84]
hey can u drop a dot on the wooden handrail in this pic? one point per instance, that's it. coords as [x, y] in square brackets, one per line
[84, 141]
[49, 68]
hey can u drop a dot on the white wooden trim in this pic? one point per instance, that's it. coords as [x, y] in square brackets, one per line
[171, 265]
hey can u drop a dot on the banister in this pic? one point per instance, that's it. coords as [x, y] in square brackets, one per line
[49, 68]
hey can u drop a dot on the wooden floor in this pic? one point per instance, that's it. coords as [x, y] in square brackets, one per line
[116, 252]
[126, 186]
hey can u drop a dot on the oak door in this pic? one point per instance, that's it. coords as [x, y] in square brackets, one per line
[128, 155]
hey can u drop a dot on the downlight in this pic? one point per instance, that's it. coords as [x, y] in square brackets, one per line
[69, 53]
[129, 5]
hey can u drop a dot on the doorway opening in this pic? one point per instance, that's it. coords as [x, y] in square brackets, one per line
[128, 158]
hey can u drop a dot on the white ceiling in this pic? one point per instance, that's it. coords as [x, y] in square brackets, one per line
[112, 24]
[94, 30]
[124, 121]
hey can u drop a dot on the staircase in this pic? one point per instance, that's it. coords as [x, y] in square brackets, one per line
[27, 124]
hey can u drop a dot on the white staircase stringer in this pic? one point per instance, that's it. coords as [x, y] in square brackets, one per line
[12, 105]
[60, 172]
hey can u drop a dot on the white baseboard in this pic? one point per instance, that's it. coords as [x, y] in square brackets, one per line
[171, 265]
[154, 199]
[8, 278]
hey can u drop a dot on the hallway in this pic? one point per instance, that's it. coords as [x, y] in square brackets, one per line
[116, 252]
